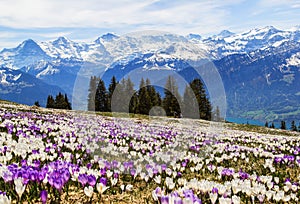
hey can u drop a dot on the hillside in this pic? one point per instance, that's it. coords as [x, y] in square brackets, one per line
[76, 157]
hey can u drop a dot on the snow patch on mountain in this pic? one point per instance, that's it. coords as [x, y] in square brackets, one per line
[294, 60]
[49, 70]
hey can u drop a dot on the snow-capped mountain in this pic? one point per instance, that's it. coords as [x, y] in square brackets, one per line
[28, 52]
[24, 88]
[268, 55]
[227, 43]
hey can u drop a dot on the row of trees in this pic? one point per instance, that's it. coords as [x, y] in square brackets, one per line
[122, 97]
[283, 125]
[60, 102]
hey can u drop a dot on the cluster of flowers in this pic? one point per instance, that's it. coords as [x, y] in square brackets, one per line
[47, 153]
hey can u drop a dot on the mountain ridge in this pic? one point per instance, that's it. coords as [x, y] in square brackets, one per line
[267, 51]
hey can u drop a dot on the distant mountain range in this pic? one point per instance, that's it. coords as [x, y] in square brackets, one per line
[260, 68]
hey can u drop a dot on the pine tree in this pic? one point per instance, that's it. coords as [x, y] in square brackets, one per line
[60, 102]
[217, 114]
[143, 99]
[203, 101]
[101, 97]
[111, 89]
[129, 96]
[266, 124]
[92, 93]
[172, 98]
[36, 103]
[293, 126]
[272, 125]
[50, 102]
[154, 96]
[190, 104]
[283, 125]
[133, 107]
[68, 105]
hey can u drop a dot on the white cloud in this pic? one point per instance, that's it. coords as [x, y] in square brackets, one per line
[111, 14]
[122, 16]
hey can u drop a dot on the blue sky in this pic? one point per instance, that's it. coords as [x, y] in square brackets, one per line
[85, 20]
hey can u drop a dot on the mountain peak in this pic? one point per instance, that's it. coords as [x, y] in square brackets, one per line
[28, 44]
[266, 29]
[109, 36]
[225, 33]
[192, 36]
[61, 41]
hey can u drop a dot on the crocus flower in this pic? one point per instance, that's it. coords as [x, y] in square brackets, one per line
[164, 199]
[82, 178]
[19, 187]
[157, 193]
[89, 191]
[4, 199]
[91, 180]
[44, 196]
[101, 188]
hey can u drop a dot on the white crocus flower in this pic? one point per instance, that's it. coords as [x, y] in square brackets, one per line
[157, 179]
[89, 191]
[109, 173]
[276, 179]
[213, 197]
[236, 199]
[113, 181]
[225, 200]
[19, 187]
[4, 199]
[101, 188]
[129, 187]
[169, 183]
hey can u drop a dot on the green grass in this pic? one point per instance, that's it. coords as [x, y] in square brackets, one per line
[261, 129]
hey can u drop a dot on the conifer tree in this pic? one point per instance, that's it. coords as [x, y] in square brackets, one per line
[172, 98]
[50, 102]
[67, 103]
[153, 95]
[37, 103]
[203, 101]
[60, 102]
[129, 96]
[189, 103]
[101, 97]
[143, 99]
[272, 125]
[266, 124]
[293, 126]
[283, 125]
[111, 89]
[92, 93]
[217, 114]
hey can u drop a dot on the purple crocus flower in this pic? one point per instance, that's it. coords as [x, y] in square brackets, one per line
[65, 175]
[277, 160]
[91, 180]
[103, 172]
[227, 172]
[215, 190]
[82, 178]
[243, 175]
[44, 196]
[164, 199]
[163, 167]
[58, 183]
[178, 200]
[103, 180]
[132, 172]
[116, 175]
